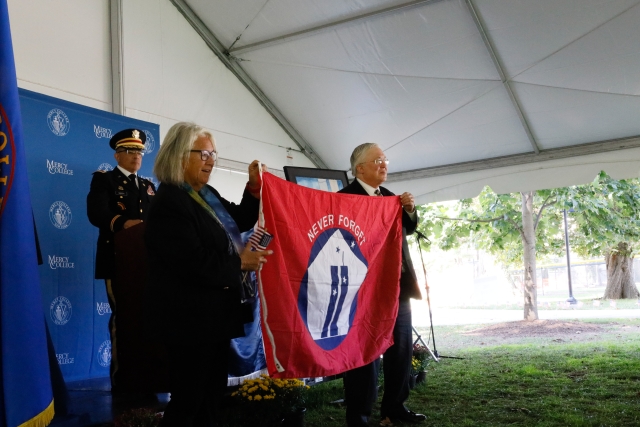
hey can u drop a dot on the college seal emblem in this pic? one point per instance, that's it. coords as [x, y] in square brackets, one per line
[60, 311]
[104, 354]
[60, 215]
[58, 122]
[329, 290]
[105, 167]
[150, 143]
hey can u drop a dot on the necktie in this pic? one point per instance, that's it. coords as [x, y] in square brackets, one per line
[377, 192]
[132, 177]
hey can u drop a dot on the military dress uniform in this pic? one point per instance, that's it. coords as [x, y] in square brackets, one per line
[113, 199]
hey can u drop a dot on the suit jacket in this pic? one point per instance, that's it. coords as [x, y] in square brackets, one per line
[112, 200]
[408, 281]
[194, 283]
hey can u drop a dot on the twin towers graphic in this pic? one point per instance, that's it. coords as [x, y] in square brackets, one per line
[327, 300]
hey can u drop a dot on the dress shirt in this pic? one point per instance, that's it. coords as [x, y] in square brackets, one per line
[127, 173]
[371, 191]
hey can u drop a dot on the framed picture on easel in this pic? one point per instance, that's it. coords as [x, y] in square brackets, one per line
[318, 179]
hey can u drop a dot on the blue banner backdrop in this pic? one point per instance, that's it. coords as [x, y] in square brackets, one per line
[65, 143]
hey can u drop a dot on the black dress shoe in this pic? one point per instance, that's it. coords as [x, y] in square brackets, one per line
[407, 417]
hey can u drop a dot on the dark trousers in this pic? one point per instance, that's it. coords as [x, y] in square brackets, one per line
[361, 384]
[198, 373]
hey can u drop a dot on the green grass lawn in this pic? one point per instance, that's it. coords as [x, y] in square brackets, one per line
[537, 382]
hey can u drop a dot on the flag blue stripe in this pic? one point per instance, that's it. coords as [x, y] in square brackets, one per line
[344, 289]
[26, 387]
[335, 282]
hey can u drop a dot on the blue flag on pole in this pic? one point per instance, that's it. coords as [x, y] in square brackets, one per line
[26, 398]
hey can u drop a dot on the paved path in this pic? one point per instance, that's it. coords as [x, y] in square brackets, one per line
[460, 316]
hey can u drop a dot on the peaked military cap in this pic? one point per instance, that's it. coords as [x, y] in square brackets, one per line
[128, 138]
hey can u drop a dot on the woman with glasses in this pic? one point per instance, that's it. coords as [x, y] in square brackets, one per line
[196, 261]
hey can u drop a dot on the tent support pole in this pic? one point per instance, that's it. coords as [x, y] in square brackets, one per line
[117, 62]
[331, 25]
[234, 66]
[503, 77]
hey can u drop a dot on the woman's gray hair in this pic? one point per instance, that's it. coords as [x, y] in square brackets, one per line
[175, 150]
[358, 155]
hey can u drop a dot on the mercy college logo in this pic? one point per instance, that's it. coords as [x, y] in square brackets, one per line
[150, 143]
[329, 290]
[102, 132]
[104, 354]
[56, 262]
[64, 359]
[103, 308]
[60, 215]
[58, 122]
[55, 167]
[60, 311]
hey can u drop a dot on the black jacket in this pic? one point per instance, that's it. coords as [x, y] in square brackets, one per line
[408, 281]
[193, 288]
[112, 200]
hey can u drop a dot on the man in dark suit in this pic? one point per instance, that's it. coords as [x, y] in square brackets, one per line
[369, 166]
[118, 199]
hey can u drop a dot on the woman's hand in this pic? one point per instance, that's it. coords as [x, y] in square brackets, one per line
[254, 174]
[255, 182]
[253, 260]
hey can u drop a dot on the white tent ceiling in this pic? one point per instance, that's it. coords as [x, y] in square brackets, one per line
[442, 86]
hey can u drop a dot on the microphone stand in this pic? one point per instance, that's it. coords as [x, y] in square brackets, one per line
[434, 354]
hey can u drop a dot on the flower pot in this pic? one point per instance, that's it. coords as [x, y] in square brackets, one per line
[421, 377]
[295, 418]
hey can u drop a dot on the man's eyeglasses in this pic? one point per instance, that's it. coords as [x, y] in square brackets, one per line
[378, 162]
[205, 154]
[132, 152]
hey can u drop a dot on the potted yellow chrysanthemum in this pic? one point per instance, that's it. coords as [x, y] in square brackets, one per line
[419, 363]
[273, 401]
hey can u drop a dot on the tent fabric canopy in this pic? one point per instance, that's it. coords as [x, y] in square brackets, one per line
[449, 82]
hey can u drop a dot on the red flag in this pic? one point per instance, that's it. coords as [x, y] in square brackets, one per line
[329, 293]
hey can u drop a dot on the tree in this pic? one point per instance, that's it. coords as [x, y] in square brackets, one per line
[606, 214]
[505, 225]
[518, 227]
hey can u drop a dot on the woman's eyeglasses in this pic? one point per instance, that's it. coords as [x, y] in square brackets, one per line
[205, 154]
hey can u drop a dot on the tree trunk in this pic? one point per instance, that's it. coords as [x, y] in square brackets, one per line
[620, 282]
[529, 258]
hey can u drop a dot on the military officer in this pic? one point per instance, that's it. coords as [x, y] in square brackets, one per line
[118, 199]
